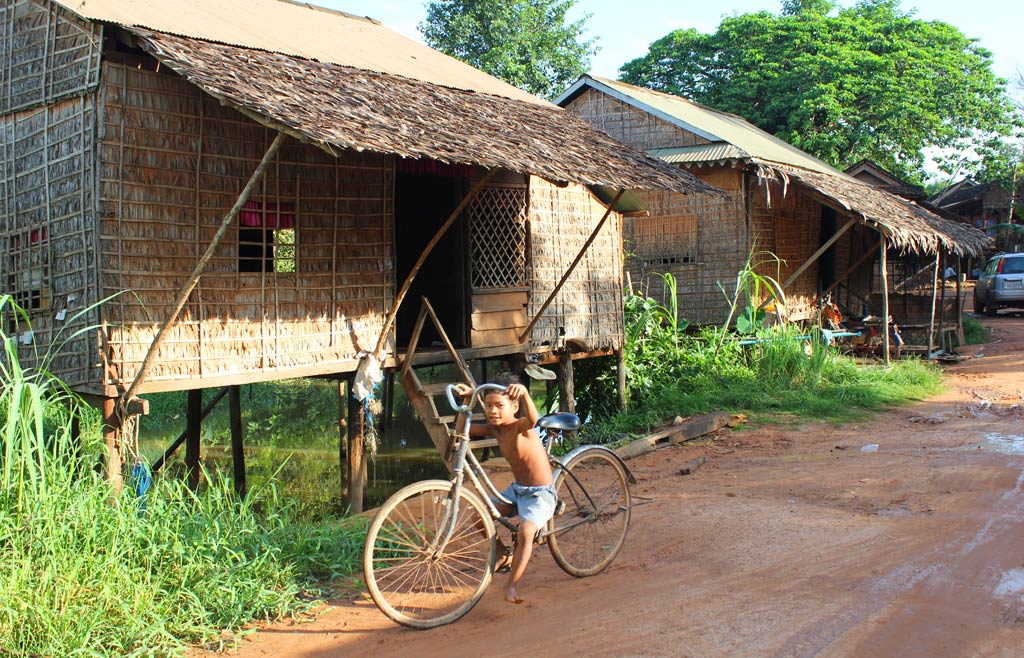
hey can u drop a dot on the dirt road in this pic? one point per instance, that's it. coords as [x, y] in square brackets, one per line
[787, 542]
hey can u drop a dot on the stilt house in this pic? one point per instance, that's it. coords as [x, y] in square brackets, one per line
[825, 225]
[255, 180]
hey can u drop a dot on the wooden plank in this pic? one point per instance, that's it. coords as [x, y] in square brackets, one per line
[494, 337]
[689, 429]
[499, 320]
[502, 301]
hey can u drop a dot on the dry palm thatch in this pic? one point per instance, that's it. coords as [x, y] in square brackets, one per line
[905, 224]
[348, 108]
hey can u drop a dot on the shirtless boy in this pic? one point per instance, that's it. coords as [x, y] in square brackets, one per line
[532, 494]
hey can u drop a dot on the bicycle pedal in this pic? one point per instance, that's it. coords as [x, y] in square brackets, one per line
[559, 508]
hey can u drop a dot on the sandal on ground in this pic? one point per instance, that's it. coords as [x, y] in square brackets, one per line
[504, 563]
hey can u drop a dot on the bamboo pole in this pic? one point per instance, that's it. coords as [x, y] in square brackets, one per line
[942, 308]
[959, 305]
[140, 376]
[572, 266]
[935, 296]
[860, 261]
[885, 298]
[423, 258]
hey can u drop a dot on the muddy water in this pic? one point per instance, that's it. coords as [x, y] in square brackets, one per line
[308, 470]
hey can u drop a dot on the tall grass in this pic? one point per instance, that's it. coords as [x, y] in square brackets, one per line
[672, 372]
[87, 576]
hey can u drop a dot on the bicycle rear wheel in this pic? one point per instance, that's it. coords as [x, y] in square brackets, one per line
[590, 531]
[409, 582]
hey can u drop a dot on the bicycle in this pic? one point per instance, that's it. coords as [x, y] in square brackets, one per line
[430, 550]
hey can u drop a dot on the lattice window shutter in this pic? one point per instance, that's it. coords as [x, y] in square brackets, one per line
[498, 238]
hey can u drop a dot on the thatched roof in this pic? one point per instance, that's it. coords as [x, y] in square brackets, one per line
[348, 108]
[728, 138]
[905, 224]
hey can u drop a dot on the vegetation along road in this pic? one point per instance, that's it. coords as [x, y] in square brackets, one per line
[789, 541]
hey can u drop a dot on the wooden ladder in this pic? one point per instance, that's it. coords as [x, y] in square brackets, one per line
[424, 396]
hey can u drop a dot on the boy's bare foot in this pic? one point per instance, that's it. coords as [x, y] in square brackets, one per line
[504, 563]
[512, 596]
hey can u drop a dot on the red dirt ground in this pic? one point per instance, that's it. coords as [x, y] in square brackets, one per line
[787, 542]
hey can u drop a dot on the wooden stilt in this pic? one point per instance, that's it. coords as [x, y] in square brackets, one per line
[193, 427]
[935, 296]
[942, 307]
[566, 385]
[959, 306]
[237, 444]
[342, 439]
[620, 379]
[112, 443]
[885, 298]
[356, 456]
[388, 401]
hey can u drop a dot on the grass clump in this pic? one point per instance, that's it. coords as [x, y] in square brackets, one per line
[93, 574]
[780, 371]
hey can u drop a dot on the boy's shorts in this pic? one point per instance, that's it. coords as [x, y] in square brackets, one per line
[536, 504]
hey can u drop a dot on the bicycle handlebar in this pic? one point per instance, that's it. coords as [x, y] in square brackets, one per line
[465, 408]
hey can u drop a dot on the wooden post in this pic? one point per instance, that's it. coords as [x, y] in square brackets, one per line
[959, 305]
[566, 386]
[237, 444]
[935, 295]
[356, 456]
[620, 371]
[388, 401]
[342, 436]
[885, 299]
[193, 427]
[111, 440]
[942, 308]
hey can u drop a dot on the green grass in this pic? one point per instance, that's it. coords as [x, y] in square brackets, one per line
[975, 333]
[673, 373]
[88, 573]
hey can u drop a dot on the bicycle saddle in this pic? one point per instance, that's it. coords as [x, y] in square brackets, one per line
[564, 421]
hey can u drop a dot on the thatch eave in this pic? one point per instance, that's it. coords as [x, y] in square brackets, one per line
[904, 224]
[339, 107]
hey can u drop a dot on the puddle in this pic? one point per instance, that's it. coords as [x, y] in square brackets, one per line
[1011, 584]
[1010, 444]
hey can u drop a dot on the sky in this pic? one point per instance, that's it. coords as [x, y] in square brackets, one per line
[625, 28]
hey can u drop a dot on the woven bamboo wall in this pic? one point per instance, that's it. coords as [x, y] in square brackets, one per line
[47, 229]
[589, 305]
[46, 53]
[173, 162]
[789, 226]
[628, 124]
[48, 69]
[699, 239]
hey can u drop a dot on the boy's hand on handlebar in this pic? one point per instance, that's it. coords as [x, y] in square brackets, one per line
[516, 391]
[462, 390]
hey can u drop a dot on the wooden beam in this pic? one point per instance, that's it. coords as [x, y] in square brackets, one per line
[935, 295]
[158, 464]
[356, 452]
[572, 266]
[620, 379]
[850, 270]
[566, 385]
[342, 436]
[193, 428]
[237, 444]
[112, 444]
[885, 298]
[815, 256]
[197, 272]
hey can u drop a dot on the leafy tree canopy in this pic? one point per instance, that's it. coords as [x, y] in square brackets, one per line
[867, 81]
[527, 43]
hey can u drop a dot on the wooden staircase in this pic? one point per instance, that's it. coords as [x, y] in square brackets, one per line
[429, 399]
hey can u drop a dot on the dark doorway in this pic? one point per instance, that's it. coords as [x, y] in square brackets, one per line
[422, 204]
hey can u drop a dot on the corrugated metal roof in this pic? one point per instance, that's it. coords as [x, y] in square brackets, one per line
[709, 123]
[714, 152]
[301, 30]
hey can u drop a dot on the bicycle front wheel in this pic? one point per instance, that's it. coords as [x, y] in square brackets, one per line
[590, 531]
[410, 579]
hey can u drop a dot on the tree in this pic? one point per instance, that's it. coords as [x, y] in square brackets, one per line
[868, 81]
[527, 43]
